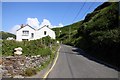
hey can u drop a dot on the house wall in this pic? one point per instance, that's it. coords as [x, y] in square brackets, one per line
[49, 32]
[37, 33]
[20, 36]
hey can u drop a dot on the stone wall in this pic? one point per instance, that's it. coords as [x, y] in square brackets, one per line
[13, 66]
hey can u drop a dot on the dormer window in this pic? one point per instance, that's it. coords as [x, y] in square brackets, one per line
[25, 33]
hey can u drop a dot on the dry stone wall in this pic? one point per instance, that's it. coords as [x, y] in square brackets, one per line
[13, 66]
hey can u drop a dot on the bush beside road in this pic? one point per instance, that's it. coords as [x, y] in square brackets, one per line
[40, 53]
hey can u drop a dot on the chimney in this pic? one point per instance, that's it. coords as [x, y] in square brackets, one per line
[22, 25]
[47, 25]
[27, 25]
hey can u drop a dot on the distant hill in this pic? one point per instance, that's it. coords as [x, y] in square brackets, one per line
[98, 34]
[5, 35]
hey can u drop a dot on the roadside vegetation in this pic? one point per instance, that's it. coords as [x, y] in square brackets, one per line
[5, 35]
[41, 47]
[44, 47]
[98, 34]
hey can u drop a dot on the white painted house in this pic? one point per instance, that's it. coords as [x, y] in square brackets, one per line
[26, 32]
[10, 38]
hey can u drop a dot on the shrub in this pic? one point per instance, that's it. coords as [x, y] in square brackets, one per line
[33, 47]
[30, 72]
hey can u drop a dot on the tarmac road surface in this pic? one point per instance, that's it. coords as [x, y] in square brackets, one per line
[71, 64]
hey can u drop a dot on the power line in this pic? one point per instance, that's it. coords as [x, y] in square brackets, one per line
[75, 18]
[78, 14]
[88, 9]
[79, 11]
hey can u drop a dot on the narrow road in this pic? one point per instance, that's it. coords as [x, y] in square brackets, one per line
[71, 64]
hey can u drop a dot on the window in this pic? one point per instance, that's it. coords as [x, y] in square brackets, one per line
[32, 35]
[45, 32]
[25, 33]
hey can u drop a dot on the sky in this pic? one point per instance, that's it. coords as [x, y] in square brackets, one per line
[37, 14]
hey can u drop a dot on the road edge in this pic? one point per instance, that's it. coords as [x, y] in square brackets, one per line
[55, 60]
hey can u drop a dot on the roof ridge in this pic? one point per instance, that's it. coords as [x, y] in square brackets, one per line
[22, 26]
[44, 26]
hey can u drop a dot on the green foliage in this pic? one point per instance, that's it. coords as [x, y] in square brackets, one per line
[48, 41]
[5, 35]
[67, 32]
[106, 4]
[98, 34]
[101, 33]
[107, 37]
[30, 72]
[33, 47]
[102, 27]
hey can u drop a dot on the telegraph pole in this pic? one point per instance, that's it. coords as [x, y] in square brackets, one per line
[41, 41]
[59, 33]
[69, 33]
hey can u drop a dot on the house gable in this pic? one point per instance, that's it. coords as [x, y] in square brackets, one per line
[46, 31]
[26, 32]
[22, 26]
[45, 26]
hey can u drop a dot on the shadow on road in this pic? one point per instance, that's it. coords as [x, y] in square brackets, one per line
[80, 52]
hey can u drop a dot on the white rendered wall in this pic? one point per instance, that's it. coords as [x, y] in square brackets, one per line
[37, 33]
[20, 36]
[49, 32]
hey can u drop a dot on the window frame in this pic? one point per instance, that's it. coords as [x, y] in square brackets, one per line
[25, 33]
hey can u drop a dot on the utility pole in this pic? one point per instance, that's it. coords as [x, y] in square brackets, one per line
[41, 41]
[69, 33]
[59, 33]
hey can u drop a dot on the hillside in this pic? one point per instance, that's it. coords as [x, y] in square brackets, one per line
[5, 35]
[66, 33]
[98, 34]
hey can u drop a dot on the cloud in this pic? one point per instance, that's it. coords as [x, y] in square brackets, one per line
[33, 22]
[45, 22]
[13, 30]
